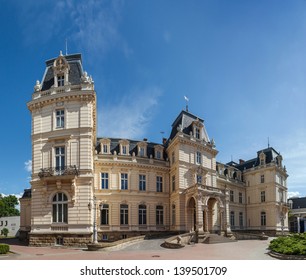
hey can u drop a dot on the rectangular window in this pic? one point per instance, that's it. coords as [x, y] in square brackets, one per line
[173, 183]
[173, 157]
[104, 214]
[59, 159]
[104, 181]
[142, 215]
[159, 215]
[124, 181]
[198, 158]
[60, 118]
[105, 148]
[142, 182]
[197, 133]
[60, 81]
[124, 150]
[240, 219]
[263, 219]
[262, 196]
[158, 154]
[159, 183]
[262, 179]
[141, 152]
[240, 197]
[232, 219]
[232, 196]
[124, 214]
[199, 179]
[104, 237]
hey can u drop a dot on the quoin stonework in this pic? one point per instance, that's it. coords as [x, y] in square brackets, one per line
[86, 187]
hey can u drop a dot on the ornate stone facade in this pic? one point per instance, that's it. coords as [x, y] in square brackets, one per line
[85, 188]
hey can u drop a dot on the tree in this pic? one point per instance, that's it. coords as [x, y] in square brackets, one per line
[4, 232]
[7, 206]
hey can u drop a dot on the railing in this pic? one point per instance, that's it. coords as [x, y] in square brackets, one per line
[58, 171]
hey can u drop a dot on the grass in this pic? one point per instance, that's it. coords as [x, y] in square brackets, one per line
[294, 244]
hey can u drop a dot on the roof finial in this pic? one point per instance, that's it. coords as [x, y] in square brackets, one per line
[61, 53]
[268, 142]
[187, 100]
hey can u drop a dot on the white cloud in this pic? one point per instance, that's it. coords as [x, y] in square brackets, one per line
[293, 194]
[130, 117]
[28, 165]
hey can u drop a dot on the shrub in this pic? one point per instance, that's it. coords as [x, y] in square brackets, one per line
[290, 245]
[4, 248]
[4, 232]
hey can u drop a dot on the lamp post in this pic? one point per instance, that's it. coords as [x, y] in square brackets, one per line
[95, 234]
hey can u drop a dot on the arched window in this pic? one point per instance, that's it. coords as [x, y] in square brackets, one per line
[60, 208]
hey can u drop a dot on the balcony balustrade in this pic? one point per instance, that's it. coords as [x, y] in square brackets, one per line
[70, 170]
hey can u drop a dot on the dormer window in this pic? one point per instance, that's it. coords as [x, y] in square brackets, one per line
[60, 71]
[142, 149]
[158, 151]
[60, 81]
[124, 147]
[105, 146]
[262, 158]
[197, 133]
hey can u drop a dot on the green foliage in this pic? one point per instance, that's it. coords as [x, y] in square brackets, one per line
[4, 232]
[4, 248]
[294, 244]
[7, 206]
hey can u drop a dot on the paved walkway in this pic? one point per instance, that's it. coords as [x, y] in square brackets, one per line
[145, 250]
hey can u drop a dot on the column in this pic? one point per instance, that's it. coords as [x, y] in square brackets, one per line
[199, 217]
[298, 224]
[227, 214]
[206, 219]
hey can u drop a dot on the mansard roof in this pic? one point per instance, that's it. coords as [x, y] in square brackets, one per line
[75, 72]
[27, 193]
[115, 146]
[270, 154]
[298, 202]
[184, 122]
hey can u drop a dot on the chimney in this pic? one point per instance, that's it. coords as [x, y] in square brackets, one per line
[241, 161]
[164, 141]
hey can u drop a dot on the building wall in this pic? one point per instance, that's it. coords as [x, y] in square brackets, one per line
[11, 223]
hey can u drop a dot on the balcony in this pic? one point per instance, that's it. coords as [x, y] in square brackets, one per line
[58, 171]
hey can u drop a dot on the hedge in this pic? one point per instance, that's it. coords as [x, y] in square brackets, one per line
[4, 248]
[294, 244]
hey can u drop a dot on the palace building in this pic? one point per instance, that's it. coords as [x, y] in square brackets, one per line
[86, 187]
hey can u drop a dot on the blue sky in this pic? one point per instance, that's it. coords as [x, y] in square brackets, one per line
[242, 65]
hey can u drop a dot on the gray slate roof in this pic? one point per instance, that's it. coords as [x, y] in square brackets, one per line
[76, 71]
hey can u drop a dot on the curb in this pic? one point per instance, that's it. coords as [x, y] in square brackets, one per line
[286, 257]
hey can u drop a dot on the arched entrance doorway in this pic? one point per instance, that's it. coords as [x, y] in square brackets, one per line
[213, 218]
[191, 214]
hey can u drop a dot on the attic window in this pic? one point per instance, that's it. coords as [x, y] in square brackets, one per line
[197, 133]
[60, 81]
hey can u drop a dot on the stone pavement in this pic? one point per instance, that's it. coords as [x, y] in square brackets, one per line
[145, 250]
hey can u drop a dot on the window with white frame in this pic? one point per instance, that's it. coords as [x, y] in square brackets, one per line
[60, 118]
[198, 158]
[104, 214]
[60, 208]
[59, 159]
[124, 181]
[159, 215]
[262, 178]
[141, 151]
[197, 133]
[124, 150]
[104, 181]
[142, 214]
[158, 154]
[60, 80]
[142, 182]
[124, 214]
[105, 149]
[159, 183]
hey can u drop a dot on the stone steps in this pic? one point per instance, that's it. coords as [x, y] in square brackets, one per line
[215, 238]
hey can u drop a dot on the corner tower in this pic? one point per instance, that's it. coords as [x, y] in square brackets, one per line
[63, 109]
